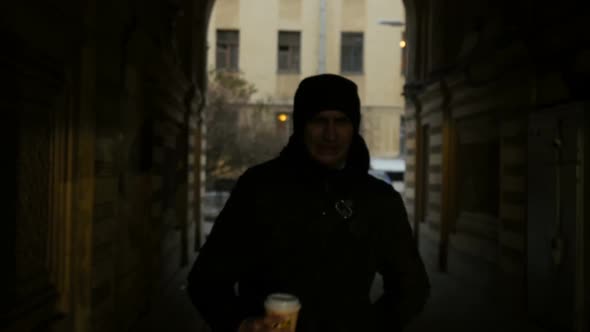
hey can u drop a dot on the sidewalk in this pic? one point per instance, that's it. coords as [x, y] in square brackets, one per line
[453, 307]
[456, 307]
[173, 311]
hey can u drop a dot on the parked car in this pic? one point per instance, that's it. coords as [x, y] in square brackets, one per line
[212, 203]
[381, 175]
[393, 168]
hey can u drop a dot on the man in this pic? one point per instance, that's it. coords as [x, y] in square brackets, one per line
[313, 223]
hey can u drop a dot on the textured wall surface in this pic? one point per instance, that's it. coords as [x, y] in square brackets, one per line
[473, 98]
[101, 94]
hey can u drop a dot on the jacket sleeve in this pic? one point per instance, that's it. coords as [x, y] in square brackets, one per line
[220, 262]
[405, 282]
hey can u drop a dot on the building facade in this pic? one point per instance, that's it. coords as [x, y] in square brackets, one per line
[496, 143]
[275, 44]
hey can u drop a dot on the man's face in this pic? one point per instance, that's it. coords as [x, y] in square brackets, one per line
[328, 136]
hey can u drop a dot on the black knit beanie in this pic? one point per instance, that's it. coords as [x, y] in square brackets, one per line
[325, 92]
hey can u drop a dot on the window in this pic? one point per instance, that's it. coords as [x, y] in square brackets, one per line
[228, 47]
[351, 56]
[478, 179]
[289, 47]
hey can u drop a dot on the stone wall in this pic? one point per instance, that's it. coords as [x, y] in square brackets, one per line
[104, 98]
[35, 89]
[473, 104]
[147, 97]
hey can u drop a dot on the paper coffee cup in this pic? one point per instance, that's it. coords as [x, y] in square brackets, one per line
[285, 307]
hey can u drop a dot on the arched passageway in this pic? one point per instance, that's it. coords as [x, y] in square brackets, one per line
[104, 99]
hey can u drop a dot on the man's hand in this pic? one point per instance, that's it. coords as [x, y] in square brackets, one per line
[266, 324]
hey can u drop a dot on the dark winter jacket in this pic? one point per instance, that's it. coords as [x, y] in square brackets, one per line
[292, 226]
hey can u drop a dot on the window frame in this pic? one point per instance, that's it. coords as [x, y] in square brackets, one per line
[348, 46]
[292, 40]
[232, 49]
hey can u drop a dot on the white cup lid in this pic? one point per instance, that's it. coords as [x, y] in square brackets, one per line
[282, 302]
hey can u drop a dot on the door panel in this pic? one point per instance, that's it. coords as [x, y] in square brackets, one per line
[552, 235]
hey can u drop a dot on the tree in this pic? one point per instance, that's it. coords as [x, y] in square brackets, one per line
[240, 133]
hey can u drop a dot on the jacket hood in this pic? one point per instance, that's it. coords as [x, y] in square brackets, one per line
[325, 92]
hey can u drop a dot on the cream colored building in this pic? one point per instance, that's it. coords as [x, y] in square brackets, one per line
[276, 43]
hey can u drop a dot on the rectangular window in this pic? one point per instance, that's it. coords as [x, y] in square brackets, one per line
[228, 48]
[351, 55]
[289, 49]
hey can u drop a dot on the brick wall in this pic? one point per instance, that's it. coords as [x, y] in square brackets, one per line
[142, 137]
[100, 94]
[34, 90]
[490, 96]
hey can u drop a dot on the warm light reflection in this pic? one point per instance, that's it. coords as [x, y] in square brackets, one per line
[402, 44]
[283, 117]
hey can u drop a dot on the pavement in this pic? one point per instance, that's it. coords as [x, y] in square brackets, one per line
[172, 311]
[454, 306]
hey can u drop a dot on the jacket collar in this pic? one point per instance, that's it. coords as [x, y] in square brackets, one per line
[297, 158]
